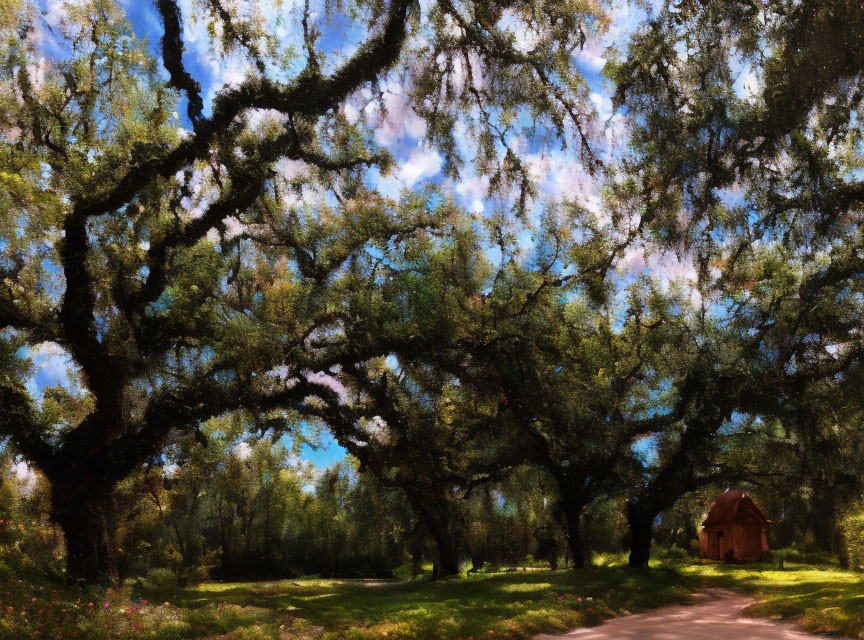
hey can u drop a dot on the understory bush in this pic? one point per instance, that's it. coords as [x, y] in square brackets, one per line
[852, 535]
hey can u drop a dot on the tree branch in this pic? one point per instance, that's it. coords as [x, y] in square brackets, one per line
[307, 95]
[172, 58]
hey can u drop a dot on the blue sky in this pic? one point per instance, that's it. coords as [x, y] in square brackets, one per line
[329, 452]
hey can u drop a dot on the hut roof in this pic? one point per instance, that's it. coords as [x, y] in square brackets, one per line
[734, 506]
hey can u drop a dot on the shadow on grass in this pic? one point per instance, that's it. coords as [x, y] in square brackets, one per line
[822, 599]
[518, 604]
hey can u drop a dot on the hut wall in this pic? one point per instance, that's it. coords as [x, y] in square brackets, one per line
[718, 540]
[741, 547]
[747, 542]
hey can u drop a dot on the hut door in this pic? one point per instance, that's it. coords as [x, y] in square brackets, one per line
[721, 546]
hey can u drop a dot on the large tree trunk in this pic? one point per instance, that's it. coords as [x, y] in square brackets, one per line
[641, 523]
[573, 510]
[86, 518]
[448, 555]
[416, 542]
[823, 520]
[442, 524]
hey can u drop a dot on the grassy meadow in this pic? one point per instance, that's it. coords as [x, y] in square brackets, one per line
[506, 605]
[821, 598]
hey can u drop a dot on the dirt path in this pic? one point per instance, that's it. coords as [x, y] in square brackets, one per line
[715, 615]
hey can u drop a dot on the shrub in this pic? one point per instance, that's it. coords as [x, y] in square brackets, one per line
[159, 577]
[672, 555]
[852, 530]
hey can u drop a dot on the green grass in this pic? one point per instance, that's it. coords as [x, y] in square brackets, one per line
[821, 599]
[506, 605]
[502, 605]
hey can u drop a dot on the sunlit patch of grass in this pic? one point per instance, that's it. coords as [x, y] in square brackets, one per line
[514, 605]
[509, 605]
[527, 587]
[823, 599]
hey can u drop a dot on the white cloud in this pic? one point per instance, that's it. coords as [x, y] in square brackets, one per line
[473, 186]
[539, 166]
[562, 178]
[675, 268]
[616, 131]
[525, 37]
[664, 266]
[603, 105]
[634, 260]
[591, 56]
[242, 450]
[526, 40]
[625, 16]
[56, 12]
[451, 28]
[422, 163]
[233, 227]
[399, 121]
[350, 112]
[291, 169]
[25, 478]
[748, 85]
[473, 190]
[668, 268]
[45, 351]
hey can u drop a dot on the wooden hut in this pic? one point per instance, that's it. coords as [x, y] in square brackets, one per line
[734, 530]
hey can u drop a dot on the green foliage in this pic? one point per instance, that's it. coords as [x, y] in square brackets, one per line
[31, 547]
[852, 531]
